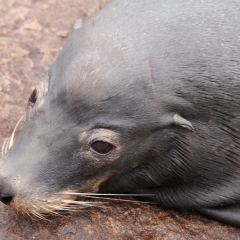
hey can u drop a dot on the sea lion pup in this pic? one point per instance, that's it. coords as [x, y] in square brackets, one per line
[144, 98]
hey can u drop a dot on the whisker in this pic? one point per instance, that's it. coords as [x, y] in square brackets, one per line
[14, 131]
[8, 143]
[83, 205]
[35, 215]
[30, 216]
[121, 200]
[69, 205]
[4, 147]
[80, 202]
[77, 207]
[106, 194]
[63, 208]
[39, 215]
[35, 207]
[98, 195]
[52, 212]
[70, 208]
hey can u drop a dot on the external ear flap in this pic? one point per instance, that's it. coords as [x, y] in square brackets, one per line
[78, 24]
[182, 122]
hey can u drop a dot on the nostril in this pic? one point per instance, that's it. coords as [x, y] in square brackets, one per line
[6, 199]
[6, 195]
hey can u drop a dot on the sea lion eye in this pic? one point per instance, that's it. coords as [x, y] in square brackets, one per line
[101, 147]
[33, 98]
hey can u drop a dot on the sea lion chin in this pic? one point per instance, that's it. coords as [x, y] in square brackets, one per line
[143, 99]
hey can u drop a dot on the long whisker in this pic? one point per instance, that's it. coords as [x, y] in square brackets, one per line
[36, 214]
[35, 207]
[98, 196]
[52, 212]
[76, 206]
[81, 202]
[67, 208]
[8, 143]
[106, 194]
[14, 131]
[71, 208]
[82, 205]
[4, 147]
[121, 200]
[29, 215]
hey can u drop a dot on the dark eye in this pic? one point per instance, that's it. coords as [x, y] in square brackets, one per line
[33, 98]
[101, 147]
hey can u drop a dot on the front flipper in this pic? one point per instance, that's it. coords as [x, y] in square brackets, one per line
[229, 214]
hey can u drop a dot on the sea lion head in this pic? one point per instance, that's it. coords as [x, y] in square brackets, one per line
[89, 120]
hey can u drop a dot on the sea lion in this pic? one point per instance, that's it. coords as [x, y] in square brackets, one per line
[143, 99]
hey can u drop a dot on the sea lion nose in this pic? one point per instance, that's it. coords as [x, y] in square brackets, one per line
[6, 194]
[6, 198]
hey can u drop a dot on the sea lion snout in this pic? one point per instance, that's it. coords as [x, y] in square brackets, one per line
[6, 193]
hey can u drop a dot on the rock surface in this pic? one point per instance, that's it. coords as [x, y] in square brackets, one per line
[31, 35]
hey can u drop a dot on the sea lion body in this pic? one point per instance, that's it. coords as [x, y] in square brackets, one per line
[158, 83]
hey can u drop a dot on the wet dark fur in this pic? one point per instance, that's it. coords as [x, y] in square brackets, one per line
[129, 70]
